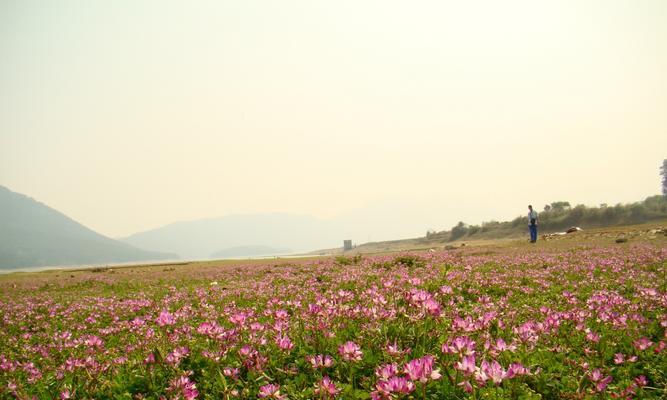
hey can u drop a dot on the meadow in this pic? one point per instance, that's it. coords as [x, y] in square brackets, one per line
[581, 322]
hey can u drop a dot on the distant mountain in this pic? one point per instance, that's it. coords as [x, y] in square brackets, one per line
[202, 238]
[250, 251]
[33, 234]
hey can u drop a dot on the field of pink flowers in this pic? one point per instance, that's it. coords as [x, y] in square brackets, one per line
[565, 324]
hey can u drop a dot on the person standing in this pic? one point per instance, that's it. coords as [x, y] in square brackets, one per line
[532, 224]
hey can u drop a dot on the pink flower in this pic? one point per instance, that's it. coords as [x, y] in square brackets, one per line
[238, 319]
[446, 289]
[502, 346]
[641, 381]
[466, 365]
[395, 351]
[395, 384]
[137, 322]
[386, 371]
[424, 300]
[256, 327]
[432, 307]
[93, 341]
[270, 391]
[65, 395]
[593, 337]
[175, 357]
[327, 388]
[418, 296]
[284, 343]
[350, 351]
[602, 385]
[421, 369]
[231, 372]
[642, 343]
[247, 352]
[493, 371]
[34, 373]
[461, 345]
[207, 328]
[517, 369]
[320, 361]
[467, 387]
[466, 324]
[185, 386]
[150, 359]
[165, 318]
[600, 381]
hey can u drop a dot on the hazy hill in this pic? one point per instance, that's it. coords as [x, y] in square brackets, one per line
[33, 234]
[250, 251]
[201, 238]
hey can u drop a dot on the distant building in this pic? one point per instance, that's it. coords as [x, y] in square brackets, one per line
[347, 245]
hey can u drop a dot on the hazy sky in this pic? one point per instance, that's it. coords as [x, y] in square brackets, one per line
[127, 115]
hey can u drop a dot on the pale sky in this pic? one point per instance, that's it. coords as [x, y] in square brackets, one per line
[128, 115]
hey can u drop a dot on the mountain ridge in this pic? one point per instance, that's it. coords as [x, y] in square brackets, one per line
[33, 234]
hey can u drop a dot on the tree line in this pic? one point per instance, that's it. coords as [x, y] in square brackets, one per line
[560, 215]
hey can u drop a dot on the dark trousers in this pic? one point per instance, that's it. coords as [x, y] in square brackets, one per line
[533, 233]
